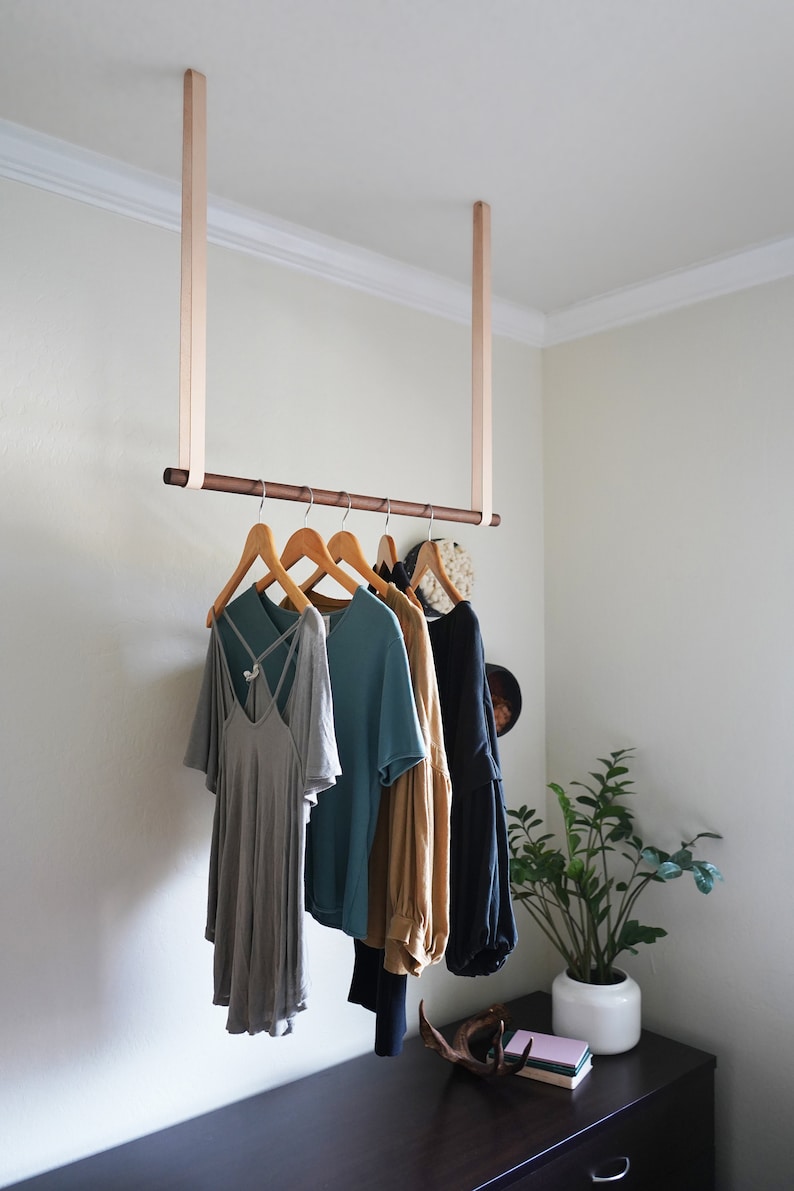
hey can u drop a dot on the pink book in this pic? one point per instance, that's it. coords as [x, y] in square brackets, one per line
[548, 1048]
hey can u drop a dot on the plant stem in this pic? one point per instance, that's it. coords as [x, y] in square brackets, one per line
[547, 925]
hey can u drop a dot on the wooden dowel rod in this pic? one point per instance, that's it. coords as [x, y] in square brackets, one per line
[177, 476]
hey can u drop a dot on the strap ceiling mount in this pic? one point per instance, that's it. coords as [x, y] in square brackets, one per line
[193, 353]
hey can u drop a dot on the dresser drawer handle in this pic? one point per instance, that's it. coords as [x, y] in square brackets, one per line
[612, 1178]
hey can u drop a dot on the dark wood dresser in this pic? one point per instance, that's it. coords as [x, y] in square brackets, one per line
[415, 1123]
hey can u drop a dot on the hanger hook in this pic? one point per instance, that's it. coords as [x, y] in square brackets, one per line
[347, 510]
[388, 515]
[430, 526]
[262, 501]
[311, 505]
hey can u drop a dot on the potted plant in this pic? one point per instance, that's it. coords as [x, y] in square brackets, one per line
[582, 892]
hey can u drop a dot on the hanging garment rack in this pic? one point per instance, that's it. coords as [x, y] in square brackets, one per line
[193, 354]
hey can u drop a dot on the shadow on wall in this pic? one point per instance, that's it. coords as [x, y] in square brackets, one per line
[102, 816]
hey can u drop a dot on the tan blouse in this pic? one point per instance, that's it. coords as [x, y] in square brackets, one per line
[409, 860]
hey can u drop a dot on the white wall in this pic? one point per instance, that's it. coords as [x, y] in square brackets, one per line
[106, 1027]
[670, 604]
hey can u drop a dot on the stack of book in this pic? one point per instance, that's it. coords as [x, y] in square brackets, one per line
[552, 1059]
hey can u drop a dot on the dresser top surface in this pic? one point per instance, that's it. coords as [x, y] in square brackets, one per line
[414, 1120]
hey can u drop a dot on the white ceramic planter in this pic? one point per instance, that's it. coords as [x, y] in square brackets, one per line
[607, 1016]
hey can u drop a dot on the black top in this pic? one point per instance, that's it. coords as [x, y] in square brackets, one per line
[482, 929]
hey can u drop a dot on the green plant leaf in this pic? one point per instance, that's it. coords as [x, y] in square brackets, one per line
[633, 932]
[614, 812]
[704, 881]
[654, 856]
[669, 871]
[705, 875]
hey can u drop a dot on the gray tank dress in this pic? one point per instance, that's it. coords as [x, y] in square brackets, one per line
[266, 767]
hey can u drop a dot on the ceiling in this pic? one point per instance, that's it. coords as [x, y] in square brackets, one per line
[616, 140]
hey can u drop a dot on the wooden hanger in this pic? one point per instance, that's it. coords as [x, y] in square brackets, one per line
[345, 547]
[388, 557]
[307, 543]
[260, 543]
[429, 559]
[387, 553]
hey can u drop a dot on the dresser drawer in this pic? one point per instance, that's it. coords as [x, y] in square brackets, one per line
[667, 1141]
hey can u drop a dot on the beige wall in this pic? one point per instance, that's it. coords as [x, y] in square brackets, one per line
[669, 479]
[107, 1030]
[668, 589]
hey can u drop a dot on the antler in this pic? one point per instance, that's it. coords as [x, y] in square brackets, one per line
[492, 1019]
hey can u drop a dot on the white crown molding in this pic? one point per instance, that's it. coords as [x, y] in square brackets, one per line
[57, 166]
[62, 168]
[713, 279]
[275, 240]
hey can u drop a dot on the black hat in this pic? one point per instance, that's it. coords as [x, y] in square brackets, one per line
[505, 695]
